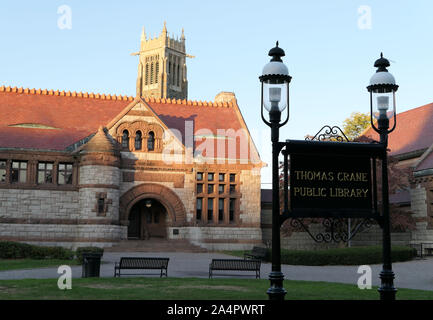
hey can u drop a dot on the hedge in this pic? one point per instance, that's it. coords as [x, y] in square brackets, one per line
[82, 250]
[17, 250]
[343, 256]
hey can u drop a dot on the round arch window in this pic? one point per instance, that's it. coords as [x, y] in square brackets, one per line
[151, 141]
[125, 139]
[138, 137]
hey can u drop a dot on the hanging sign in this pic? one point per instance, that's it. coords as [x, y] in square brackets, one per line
[330, 183]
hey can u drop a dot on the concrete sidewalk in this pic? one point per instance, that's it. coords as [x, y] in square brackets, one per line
[416, 274]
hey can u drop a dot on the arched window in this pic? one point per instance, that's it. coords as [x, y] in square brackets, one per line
[152, 75]
[156, 72]
[173, 78]
[125, 139]
[151, 141]
[147, 75]
[138, 140]
[178, 75]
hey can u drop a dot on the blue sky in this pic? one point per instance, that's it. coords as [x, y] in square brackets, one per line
[328, 55]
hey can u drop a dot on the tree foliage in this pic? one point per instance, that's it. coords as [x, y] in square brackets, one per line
[356, 124]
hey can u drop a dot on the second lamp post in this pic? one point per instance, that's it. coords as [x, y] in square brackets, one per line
[382, 90]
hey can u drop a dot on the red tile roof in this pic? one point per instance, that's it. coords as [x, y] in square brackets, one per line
[414, 131]
[74, 116]
[42, 139]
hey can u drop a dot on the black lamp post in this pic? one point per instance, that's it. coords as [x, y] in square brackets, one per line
[275, 81]
[382, 90]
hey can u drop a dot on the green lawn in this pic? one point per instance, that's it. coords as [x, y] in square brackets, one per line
[14, 264]
[188, 289]
[236, 253]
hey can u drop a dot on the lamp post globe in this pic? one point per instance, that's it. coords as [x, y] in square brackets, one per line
[275, 81]
[382, 90]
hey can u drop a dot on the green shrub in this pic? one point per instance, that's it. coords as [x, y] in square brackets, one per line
[17, 250]
[52, 253]
[14, 250]
[80, 251]
[342, 256]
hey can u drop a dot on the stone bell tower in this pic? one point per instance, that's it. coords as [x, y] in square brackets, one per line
[162, 67]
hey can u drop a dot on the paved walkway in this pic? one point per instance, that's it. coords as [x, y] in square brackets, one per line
[417, 274]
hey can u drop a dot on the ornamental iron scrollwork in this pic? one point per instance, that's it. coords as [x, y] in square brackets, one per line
[335, 229]
[328, 133]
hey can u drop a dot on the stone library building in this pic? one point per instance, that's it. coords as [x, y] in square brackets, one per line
[86, 169]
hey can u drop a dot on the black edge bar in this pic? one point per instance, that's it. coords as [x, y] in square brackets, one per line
[330, 147]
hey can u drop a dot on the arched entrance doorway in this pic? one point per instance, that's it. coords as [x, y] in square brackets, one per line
[147, 219]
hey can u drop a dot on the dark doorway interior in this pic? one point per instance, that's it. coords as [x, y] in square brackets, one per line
[147, 220]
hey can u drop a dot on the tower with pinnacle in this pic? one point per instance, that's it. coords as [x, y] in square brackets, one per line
[162, 66]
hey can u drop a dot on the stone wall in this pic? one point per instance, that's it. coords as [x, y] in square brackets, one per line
[187, 195]
[420, 209]
[93, 181]
[72, 218]
[88, 203]
[38, 204]
[250, 201]
[219, 238]
[102, 175]
[54, 217]
[63, 234]
[418, 202]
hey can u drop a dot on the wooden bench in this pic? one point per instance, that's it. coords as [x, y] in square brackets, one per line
[257, 253]
[235, 265]
[133, 263]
